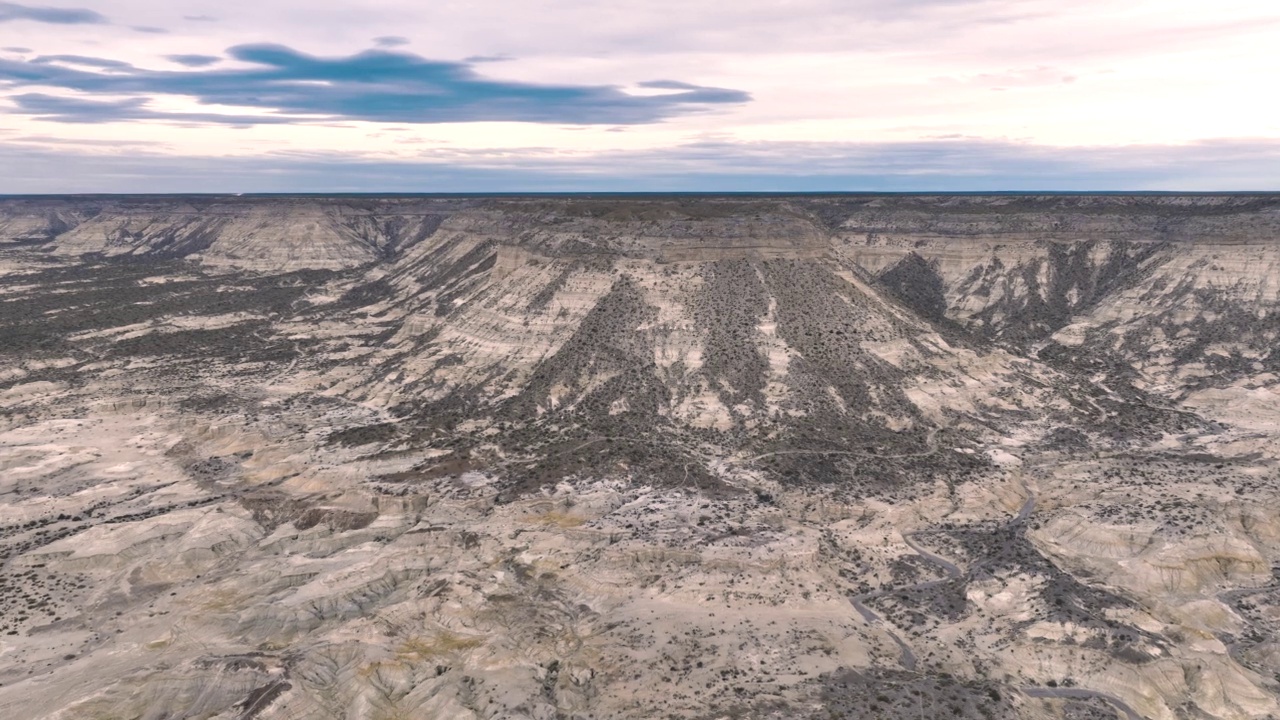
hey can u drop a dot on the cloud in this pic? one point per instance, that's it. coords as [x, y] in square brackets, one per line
[581, 27]
[1038, 76]
[15, 49]
[387, 41]
[200, 18]
[79, 110]
[56, 16]
[376, 85]
[113, 143]
[148, 29]
[84, 60]
[926, 166]
[703, 94]
[194, 61]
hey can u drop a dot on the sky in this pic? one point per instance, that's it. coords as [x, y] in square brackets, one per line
[662, 95]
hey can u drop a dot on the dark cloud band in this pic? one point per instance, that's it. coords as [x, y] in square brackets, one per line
[194, 60]
[377, 85]
[79, 110]
[42, 166]
[56, 16]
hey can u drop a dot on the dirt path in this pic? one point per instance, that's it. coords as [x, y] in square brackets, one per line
[1082, 694]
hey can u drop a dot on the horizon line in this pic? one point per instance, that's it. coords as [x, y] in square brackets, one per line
[650, 193]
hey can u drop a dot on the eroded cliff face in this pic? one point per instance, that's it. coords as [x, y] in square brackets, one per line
[998, 456]
[224, 233]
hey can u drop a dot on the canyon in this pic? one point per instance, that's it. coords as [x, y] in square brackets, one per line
[632, 456]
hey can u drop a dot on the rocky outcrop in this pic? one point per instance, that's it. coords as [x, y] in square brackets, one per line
[267, 235]
[32, 220]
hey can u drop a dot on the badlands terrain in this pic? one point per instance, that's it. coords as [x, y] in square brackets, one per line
[640, 457]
